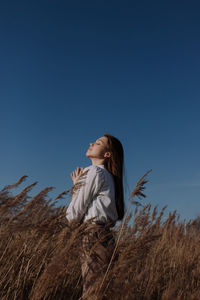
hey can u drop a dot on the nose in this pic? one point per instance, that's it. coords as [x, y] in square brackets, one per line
[91, 144]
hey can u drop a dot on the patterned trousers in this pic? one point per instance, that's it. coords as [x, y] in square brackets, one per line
[97, 249]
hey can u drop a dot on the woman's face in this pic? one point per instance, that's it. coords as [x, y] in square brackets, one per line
[98, 149]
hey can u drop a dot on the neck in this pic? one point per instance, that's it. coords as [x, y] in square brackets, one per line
[97, 161]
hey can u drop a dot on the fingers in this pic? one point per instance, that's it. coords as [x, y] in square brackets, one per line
[76, 173]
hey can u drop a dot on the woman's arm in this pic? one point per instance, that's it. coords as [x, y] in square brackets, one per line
[85, 194]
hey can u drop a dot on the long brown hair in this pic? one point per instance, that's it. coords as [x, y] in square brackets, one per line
[115, 165]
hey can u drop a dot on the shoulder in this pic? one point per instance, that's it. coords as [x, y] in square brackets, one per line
[94, 171]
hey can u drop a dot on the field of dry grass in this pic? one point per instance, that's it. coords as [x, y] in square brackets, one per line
[39, 253]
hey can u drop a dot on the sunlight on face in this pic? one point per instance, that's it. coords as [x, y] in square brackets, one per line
[98, 148]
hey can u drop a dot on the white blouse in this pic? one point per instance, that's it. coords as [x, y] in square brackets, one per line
[95, 198]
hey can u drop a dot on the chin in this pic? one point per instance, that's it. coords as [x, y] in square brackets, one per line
[88, 152]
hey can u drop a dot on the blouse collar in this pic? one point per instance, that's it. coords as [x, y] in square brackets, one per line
[101, 166]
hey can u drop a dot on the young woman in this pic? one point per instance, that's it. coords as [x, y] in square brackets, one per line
[100, 200]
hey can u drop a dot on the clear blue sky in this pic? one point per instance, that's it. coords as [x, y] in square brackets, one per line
[72, 70]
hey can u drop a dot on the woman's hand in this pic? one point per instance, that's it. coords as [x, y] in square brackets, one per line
[76, 174]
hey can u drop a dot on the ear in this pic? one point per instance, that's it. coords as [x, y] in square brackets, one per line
[107, 154]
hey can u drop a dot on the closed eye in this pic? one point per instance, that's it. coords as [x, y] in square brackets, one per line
[99, 142]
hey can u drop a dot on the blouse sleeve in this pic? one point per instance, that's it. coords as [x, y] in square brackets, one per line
[83, 197]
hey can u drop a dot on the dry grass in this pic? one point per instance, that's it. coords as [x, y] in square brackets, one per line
[39, 252]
